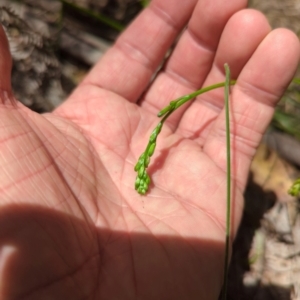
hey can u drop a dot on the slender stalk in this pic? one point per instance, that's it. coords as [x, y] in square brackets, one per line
[182, 100]
[97, 16]
[228, 196]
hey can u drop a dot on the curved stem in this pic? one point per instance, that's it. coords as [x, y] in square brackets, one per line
[182, 100]
[143, 180]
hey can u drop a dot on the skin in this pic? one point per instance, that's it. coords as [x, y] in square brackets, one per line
[71, 224]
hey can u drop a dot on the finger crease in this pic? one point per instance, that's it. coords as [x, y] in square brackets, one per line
[180, 79]
[196, 38]
[164, 16]
[135, 54]
[253, 91]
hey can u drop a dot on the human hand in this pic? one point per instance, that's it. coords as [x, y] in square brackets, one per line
[71, 224]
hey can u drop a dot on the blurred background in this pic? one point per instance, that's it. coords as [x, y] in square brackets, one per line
[54, 44]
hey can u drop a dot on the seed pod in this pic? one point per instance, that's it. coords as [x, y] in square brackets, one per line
[163, 111]
[137, 166]
[141, 190]
[147, 161]
[151, 149]
[140, 162]
[141, 171]
[145, 185]
[173, 104]
[159, 127]
[146, 178]
[137, 182]
[153, 136]
[155, 132]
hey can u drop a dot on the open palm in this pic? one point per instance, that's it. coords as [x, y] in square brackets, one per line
[71, 224]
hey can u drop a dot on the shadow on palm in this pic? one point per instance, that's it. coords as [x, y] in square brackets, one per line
[46, 253]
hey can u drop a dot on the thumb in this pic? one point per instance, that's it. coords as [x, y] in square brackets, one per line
[5, 70]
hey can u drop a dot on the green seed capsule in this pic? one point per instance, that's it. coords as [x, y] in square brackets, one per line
[146, 178]
[153, 137]
[159, 127]
[142, 182]
[141, 190]
[141, 171]
[147, 161]
[151, 149]
[137, 166]
[155, 132]
[140, 162]
[163, 111]
[137, 183]
[145, 185]
[173, 104]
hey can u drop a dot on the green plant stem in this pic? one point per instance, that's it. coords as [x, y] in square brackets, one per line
[182, 100]
[228, 196]
[102, 18]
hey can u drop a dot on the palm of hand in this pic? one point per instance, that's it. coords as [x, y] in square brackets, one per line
[74, 225]
[78, 206]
